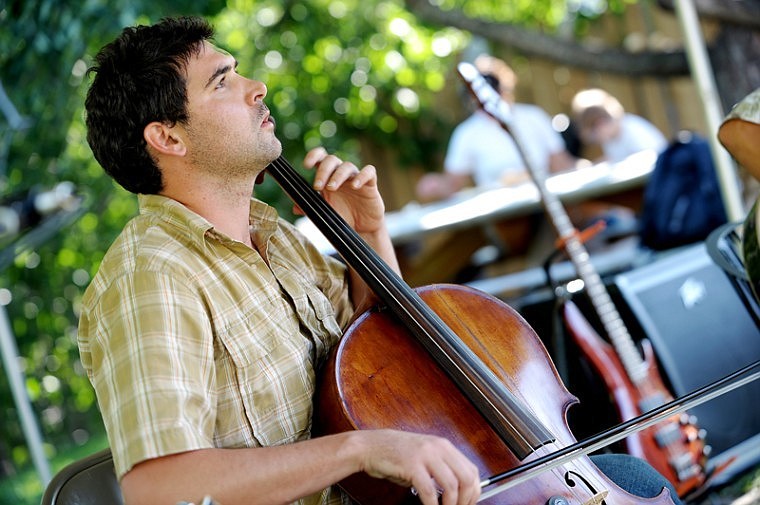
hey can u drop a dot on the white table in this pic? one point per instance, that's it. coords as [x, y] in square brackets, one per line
[477, 206]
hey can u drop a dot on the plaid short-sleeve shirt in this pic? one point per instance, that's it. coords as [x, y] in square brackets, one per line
[191, 340]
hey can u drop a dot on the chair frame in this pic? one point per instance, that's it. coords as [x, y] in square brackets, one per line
[88, 481]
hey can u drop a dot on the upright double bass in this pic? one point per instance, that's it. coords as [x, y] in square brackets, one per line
[451, 361]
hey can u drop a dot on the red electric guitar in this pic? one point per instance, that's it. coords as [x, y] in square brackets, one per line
[674, 447]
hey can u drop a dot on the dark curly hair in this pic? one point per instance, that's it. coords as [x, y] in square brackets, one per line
[139, 78]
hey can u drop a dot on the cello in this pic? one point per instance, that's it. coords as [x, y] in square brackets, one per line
[451, 361]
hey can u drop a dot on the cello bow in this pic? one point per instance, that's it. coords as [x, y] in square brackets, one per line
[730, 382]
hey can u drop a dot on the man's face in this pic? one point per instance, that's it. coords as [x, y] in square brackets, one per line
[598, 130]
[229, 129]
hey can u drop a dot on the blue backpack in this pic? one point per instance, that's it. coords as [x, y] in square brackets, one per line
[682, 203]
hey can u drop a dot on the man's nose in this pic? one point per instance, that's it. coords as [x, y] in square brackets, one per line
[257, 91]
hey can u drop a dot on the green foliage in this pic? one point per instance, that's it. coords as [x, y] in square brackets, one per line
[585, 12]
[26, 488]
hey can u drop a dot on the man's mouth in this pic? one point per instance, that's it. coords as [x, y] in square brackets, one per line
[268, 119]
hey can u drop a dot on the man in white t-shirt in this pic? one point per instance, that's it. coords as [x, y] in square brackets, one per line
[481, 148]
[481, 152]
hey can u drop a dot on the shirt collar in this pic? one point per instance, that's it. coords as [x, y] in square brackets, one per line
[262, 217]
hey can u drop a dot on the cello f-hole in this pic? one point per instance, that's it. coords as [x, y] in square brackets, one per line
[597, 496]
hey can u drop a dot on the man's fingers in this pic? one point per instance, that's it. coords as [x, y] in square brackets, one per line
[334, 177]
[314, 156]
[365, 175]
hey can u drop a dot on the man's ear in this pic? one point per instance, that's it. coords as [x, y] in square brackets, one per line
[164, 139]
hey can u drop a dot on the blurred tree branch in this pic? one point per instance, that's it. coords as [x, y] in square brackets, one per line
[534, 43]
[733, 12]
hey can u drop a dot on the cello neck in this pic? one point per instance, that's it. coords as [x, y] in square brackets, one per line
[506, 414]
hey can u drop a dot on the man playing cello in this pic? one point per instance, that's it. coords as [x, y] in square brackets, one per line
[209, 316]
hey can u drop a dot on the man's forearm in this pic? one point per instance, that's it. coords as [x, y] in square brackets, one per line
[264, 475]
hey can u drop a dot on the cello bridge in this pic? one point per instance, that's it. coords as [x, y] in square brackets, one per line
[597, 499]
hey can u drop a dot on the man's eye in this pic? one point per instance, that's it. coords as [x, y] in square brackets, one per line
[221, 83]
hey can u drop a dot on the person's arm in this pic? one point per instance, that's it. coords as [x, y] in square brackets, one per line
[739, 137]
[437, 186]
[458, 167]
[561, 161]
[282, 474]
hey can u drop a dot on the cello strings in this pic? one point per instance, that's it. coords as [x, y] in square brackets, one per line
[356, 247]
[349, 244]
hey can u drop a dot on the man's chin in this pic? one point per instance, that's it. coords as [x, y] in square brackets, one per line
[271, 154]
[271, 151]
[277, 150]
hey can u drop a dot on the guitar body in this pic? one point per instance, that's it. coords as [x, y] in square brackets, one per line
[673, 447]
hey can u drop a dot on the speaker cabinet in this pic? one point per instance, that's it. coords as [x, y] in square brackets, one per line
[701, 331]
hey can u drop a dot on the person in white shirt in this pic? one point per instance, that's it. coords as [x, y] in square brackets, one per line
[602, 121]
[482, 153]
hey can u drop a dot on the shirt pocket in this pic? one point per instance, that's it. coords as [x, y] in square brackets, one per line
[316, 312]
[265, 381]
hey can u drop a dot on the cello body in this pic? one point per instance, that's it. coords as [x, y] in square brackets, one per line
[380, 377]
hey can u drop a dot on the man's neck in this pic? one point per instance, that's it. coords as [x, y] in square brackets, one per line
[227, 207]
